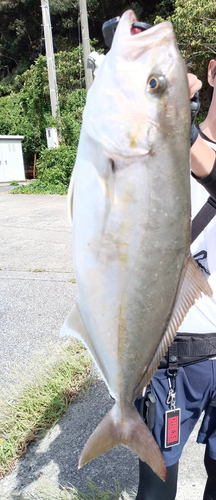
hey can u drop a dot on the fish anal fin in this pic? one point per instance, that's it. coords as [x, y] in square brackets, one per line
[191, 286]
[131, 432]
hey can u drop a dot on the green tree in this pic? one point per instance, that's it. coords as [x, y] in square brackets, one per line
[27, 111]
[194, 24]
[21, 36]
[101, 10]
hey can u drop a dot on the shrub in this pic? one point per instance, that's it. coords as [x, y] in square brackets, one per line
[55, 165]
[26, 111]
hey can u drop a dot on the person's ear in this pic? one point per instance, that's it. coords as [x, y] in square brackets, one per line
[212, 73]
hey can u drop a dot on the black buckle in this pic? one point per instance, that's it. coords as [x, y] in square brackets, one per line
[172, 369]
[148, 408]
[212, 202]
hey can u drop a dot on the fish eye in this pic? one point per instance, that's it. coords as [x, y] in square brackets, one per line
[156, 84]
[153, 83]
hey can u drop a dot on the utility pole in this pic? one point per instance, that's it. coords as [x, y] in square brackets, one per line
[86, 43]
[50, 59]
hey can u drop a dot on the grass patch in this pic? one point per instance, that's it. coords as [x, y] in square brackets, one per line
[93, 493]
[39, 187]
[42, 404]
[14, 183]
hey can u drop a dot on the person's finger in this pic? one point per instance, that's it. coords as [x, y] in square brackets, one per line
[194, 84]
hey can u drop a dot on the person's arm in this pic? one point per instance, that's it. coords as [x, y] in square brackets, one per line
[203, 158]
[203, 165]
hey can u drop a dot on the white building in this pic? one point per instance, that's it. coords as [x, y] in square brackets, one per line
[11, 158]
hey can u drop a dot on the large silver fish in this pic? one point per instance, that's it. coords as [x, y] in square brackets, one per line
[129, 198]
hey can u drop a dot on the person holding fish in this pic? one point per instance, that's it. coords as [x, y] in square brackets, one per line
[189, 362]
[139, 278]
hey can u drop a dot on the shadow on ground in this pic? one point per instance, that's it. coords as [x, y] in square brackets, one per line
[53, 460]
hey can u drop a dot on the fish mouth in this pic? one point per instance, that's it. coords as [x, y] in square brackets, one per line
[134, 30]
[133, 19]
[158, 31]
[138, 27]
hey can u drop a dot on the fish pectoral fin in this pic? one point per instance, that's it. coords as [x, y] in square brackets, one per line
[191, 286]
[131, 432]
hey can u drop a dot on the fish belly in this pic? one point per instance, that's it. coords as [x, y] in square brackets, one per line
[129, 247]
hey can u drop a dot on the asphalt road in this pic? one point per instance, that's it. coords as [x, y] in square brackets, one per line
[36, 294]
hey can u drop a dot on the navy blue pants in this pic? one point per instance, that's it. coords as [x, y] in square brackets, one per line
[195, 388]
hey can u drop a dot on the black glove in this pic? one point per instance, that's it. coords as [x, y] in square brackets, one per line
[195, 106]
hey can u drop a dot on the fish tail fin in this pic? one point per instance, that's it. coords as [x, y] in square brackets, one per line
[130, 431]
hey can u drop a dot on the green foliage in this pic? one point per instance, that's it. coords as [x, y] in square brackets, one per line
[26, 111]
[21, 40]
[70, 72]
[24, 96]
[19, 34]
[5, 89]
[165, 7]
[15, 118]
[14, 183]
[39, 187]
[194, 24]
[54, 169]
[55, 165]
[71, 117]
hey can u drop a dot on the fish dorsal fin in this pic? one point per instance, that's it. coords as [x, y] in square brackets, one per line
[75, 326]
[192, 284]
[70, 198]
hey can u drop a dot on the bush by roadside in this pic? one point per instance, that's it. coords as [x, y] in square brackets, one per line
[54, 169]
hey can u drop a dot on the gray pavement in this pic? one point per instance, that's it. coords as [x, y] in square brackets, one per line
[36, 294]
[36, 291]
[5, 187]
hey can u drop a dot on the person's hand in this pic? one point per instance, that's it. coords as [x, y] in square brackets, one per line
[194, 84]
[194, 87]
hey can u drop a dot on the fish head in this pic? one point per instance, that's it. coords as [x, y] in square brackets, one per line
[140, 96]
